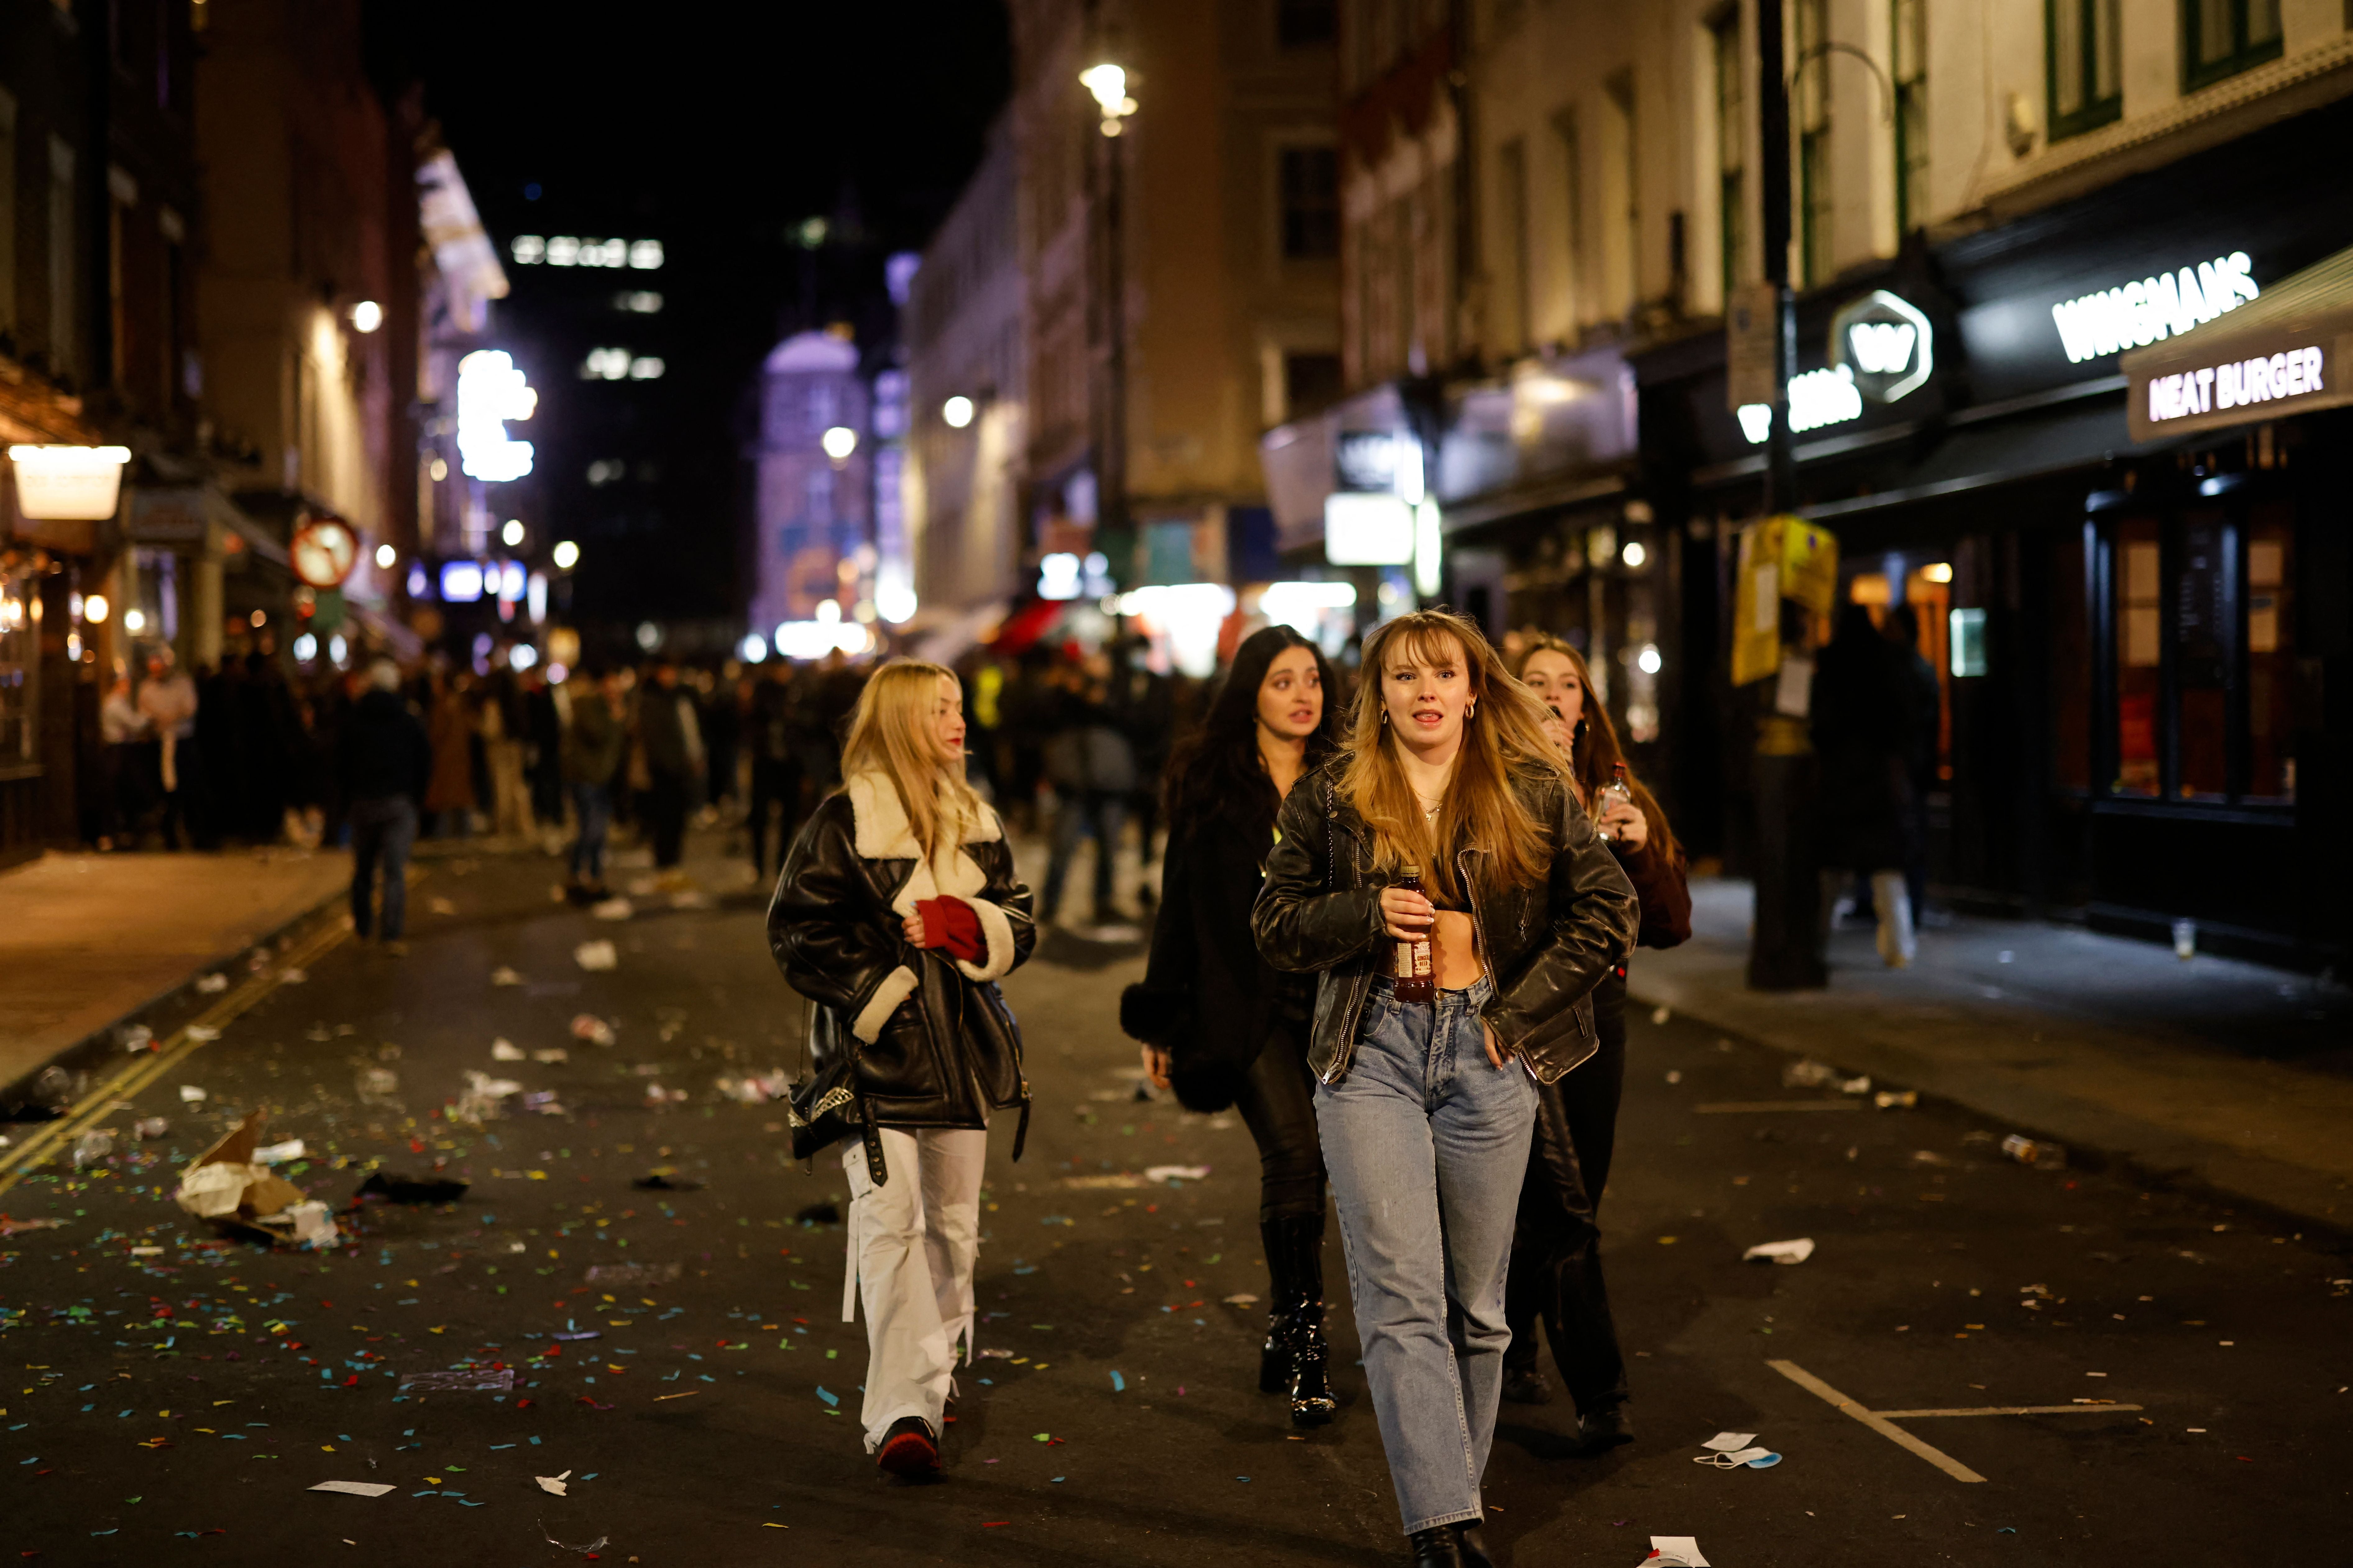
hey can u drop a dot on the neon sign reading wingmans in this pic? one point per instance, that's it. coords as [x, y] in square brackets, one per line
[2137, 314]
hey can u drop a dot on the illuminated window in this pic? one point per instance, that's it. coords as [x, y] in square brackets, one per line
[646, 367]
[528, 249]
[638, 301]
[2223, 38]
[2085, 63]
[605, 365]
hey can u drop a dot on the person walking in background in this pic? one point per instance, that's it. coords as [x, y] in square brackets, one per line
[1556, 1273]
[775, 765]
[1144, 702]
[124, 730]
[722, 733]
[500, 725]
[1927, 710]
[1862, 730]
[1216, 1020]
[592, 749]
[383, 763]
[674, 761]
[898, 912]
[449, 790]
[542, 724]
[1447, 824]
[167, 700]
[1091, 766]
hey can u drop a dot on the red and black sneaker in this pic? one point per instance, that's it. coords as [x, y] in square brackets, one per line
[910, 1450]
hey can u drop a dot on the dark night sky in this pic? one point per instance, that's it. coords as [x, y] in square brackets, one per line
[717, 129]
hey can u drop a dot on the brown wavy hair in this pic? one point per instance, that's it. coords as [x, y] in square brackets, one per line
[1596, 754]
[1501, 737]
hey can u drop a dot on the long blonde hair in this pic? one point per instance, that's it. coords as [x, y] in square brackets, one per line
[890, 733]
[1503, 735]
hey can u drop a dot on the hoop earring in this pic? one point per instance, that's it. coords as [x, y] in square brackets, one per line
[1385, 717]
[1470, 712]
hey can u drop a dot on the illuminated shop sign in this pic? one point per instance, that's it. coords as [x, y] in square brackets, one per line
[1887, 341]
[2134, 315]
[570, 250]
[491, 391]
[2238, 384]
[1817, 398]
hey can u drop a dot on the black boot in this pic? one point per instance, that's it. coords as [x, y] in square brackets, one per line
[1312, 1404]
[1471, 1544]
[1274, 1356]
[1436, 1547]
[1296, 1358]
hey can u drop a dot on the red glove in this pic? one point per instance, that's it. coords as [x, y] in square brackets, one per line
[951, 923]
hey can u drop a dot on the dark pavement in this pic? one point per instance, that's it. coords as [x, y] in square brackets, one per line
[173, 1406]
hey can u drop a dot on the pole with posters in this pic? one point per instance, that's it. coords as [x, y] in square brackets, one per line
[1776, 629]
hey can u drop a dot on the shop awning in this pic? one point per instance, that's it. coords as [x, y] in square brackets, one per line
[2288, 352]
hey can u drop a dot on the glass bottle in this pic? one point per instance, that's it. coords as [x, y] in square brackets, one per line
[1616, 789]
[1413, 975]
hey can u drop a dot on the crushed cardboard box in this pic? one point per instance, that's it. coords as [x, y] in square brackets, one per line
[235, 1192]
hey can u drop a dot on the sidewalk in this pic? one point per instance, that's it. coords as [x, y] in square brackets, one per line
[88, 939]
[2230, 1075]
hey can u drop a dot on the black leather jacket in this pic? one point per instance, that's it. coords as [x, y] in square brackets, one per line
[1546, 945]
[929, 1038]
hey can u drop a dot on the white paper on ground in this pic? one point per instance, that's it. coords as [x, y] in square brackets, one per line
[506, 1051]
[553, 1483]
[191, 1095]
[1725, 1441]
[597, 955]
[1175, 1172]
[505, 976]
[1675, 1552]
[354, 1488]
[271, 1154]
[1795, 1251]
[1735, 1460]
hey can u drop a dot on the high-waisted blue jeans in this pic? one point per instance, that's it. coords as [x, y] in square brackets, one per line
[1427, 1142]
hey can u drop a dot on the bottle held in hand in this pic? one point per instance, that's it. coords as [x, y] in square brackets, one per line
[1616, 789]
[1413, 970]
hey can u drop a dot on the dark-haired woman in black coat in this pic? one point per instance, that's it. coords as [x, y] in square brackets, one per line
[1216, 1020]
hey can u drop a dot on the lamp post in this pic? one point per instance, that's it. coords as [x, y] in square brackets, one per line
[1108, 84]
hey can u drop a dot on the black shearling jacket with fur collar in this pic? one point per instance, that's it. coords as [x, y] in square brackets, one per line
[926, 1038]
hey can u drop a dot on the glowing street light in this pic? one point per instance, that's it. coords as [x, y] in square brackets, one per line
[511, 534]
[94, 609]
[493, 390]
[366, 317]
[839, 442]
[957, 412]
[1108, 82]
[566, 555]
[386, 557]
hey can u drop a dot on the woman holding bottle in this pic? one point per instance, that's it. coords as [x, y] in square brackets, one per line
[1218, 1021]
[1438, 1011]
[897, 914]
[1556, 1251]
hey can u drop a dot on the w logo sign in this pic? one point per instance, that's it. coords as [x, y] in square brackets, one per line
[1880, 348]
[1885, 343]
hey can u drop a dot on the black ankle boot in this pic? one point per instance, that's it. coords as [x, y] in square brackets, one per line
[1274, 1356]
[1436, 1547]
[1471, 1544]
[1312, 1404]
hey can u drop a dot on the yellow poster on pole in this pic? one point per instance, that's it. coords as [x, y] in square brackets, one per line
[1781, 558]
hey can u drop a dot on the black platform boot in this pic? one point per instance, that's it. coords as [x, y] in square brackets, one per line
[1435, 1548]
[1274, 1357]
[1312, 1404]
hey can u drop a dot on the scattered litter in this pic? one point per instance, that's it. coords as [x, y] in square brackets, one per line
[354, 1488]
[150, 1127]
[505, 1050]
[1735, 1458]
[1242, 1299]
[191, 1095]
[1674, 1551]
[376, 1083]
[633, 1274]
[555, 1483]
[203, 1034]
[227, 1185]
[2040, 1154]
[666, 1182]
[470, 1381]
[212, 984]
[1674, 1075]
[1725, 1441]
[1175, 1172]
[290, 976]
[590, 1027]
[614, 909]
[1659, 1015]
[1808, 1074]
[994, 1352]
[596, 1545]
[502, 975]
[1930, 1157]
[596, 956]
[278, 1153]
[92, 1148]
[756, 1089]
[1795, 1251]
[137, 1038]
[441, 905]
[1854, 1085]
[393, 1187]
[146, 1252]
[1896, 1100]
[11, 1226]
[657, 1096]
[550, 1054]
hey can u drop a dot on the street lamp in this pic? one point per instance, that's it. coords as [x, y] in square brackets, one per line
[957, 412]
[839, 442]
[1108, 83]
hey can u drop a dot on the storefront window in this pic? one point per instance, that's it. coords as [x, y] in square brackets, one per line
[2201, 652]
[18, 632]
[2271, 654]
[2140, 617]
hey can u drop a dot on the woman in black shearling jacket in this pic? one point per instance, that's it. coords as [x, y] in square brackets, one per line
[897, 914]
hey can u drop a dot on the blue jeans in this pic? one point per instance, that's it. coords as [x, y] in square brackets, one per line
[593, 803]
[383, 829]
[1098, 813]
[1427, 1142]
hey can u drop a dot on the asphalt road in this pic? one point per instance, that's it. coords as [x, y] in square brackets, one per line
[174, 1404]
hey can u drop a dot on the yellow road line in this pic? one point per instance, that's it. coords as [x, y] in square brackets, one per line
[2005, 1410]
[137, 1076]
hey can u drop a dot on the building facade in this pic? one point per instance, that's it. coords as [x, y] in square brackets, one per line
[814, 503]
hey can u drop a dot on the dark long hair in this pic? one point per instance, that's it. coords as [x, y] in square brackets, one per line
[1596, 754]
[1216, 772]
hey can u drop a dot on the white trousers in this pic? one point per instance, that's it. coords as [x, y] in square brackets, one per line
[912, 1243]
